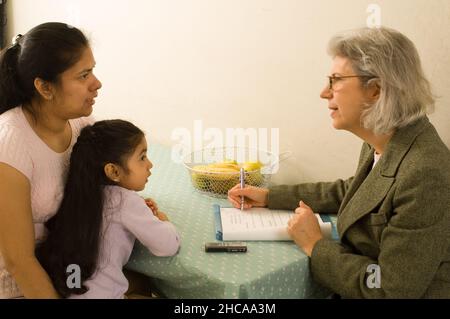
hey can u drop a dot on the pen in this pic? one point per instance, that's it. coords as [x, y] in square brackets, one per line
[242, 178]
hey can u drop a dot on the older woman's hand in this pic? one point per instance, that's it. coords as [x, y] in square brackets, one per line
[254, 196]
[304, 228]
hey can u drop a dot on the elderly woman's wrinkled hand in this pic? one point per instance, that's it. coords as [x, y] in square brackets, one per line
[254, 196]
[304, 228]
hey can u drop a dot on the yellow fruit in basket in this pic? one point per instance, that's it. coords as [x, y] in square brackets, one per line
[254, 179]
[229, 166]
[252, 166]
[223, 178]
[253, 173]
[229, 161]
[223, 169]
[199, 179]
[216, 177]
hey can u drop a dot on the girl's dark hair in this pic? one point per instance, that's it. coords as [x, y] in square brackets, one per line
[74, 232]
[44, 52]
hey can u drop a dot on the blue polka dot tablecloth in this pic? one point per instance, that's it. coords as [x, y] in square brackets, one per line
[266, 270]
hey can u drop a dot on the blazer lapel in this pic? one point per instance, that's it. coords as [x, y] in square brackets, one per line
[364, 166]
[366, 198]
[369, 189]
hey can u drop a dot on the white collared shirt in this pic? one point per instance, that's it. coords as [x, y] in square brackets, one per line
[376, 158]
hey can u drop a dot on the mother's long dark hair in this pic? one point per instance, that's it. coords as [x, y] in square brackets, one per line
[75, 231]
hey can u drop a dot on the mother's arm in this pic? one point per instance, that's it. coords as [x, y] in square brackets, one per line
[17, 242]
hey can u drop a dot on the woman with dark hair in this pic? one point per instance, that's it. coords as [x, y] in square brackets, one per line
[394, 213]
[47, 90]
[101, 214]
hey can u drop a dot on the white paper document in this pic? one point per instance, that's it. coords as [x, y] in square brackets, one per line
[260, 224]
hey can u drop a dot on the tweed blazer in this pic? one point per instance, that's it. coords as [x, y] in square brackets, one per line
[393, 220]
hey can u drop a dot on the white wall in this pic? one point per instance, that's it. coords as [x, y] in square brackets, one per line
[239, 63]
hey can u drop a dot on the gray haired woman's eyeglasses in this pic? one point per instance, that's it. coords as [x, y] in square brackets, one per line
[333, 79]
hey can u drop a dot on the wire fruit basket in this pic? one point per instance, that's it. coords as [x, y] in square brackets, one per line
[214, 171]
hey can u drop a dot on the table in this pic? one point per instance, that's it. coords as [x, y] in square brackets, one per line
[266, 270]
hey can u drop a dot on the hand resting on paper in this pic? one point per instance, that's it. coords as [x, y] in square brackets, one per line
[254, 196]
[304, 228]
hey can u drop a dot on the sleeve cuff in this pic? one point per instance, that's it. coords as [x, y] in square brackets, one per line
[320, 255]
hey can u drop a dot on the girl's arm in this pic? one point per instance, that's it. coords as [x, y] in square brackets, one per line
[17, 242]
[160, 237]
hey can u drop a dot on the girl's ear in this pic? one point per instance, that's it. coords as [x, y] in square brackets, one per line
[112, 171]
[45, 89]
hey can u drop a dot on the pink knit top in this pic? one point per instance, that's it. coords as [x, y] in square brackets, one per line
[46, 170]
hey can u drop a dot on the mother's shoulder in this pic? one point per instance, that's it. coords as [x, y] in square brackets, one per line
[12, 118]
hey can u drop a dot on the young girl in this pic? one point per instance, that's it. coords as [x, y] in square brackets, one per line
[101, 214]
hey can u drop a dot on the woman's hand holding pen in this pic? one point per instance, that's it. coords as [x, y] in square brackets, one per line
[254, 196]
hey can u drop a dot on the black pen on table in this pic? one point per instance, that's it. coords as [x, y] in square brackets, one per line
[242, 180]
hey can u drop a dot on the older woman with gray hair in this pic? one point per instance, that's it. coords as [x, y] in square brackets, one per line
[394, 213]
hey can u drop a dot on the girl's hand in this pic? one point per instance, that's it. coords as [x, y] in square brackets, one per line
[154, 207]
[304, 228]
[151, 204]
[161, 216]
